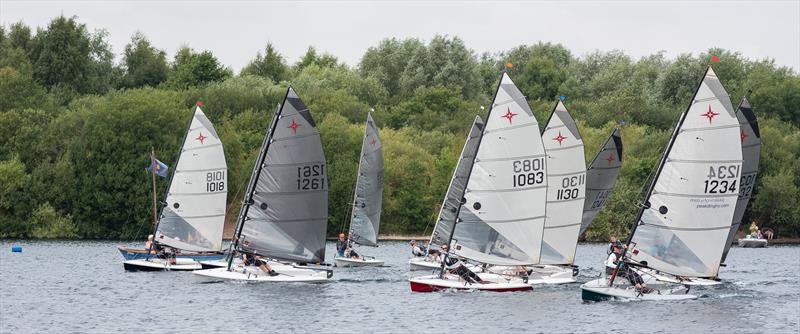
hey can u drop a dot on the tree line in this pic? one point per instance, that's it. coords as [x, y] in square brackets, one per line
[77, 124]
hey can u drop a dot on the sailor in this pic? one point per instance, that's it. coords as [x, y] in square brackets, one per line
[255, 260]
[624, 270]
[150, 245]
[613, 242]
[416, 250]
[341, 245]
[455, 266]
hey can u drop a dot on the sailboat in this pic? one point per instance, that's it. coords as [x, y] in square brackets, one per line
[365, 220]
[566, 192]
[680, 231]
[193, 214]
[601, 176]
[452, 199]
[500, 216]
[284, 215]
[751, 153]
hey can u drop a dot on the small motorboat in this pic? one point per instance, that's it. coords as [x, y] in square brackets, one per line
[159, 264]
[750, 242]
[493, 283]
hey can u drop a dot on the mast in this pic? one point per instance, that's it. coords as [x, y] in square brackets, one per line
[358, 174]
[169, 182]
[645, 204]
[469, 174]
[253, 179]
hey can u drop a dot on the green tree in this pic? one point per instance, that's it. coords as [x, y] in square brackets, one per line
[192, 69]
[144, 64]
[270, 65]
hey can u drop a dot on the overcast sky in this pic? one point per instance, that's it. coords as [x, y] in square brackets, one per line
[236, 30]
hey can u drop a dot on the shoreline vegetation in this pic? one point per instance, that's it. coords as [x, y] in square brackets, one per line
[77, 123]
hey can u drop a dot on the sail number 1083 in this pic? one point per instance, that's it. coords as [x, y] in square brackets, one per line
[722, 179]
[528, 172]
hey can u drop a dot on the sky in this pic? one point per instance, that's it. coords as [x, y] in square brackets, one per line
[235, 31]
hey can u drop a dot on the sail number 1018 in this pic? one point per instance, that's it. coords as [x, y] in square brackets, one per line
[722, 179]
[528, 172]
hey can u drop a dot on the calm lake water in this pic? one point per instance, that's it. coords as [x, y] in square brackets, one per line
[70, 286]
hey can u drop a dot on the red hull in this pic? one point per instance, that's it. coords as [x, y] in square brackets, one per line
[419, 287]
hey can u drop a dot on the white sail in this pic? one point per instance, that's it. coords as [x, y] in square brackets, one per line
[601, 176]
[194, 214]
[365, 221]
[751, 153]
[566, 191]
[501, 219]
[689, 208]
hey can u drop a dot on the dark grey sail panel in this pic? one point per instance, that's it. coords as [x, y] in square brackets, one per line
[601, 177]
[751, 153]
[366, 219]
[288, 215]
[447, 212]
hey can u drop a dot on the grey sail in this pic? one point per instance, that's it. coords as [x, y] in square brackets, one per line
[286, 213]
[366, 219]
[447, 212]
[194, 214]
[601, 176]
[751, 153]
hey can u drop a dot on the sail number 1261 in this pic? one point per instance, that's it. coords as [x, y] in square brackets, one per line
[311, 177]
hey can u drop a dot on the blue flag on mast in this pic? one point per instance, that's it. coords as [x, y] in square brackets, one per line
[160, 167]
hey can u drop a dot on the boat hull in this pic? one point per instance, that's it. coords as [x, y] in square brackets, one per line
[155, 264]
[542, 274]
[419, 263]
[286, 274]
[753, 243]
[363, 262]
[599, 290]
[138, 254]
[497, 283]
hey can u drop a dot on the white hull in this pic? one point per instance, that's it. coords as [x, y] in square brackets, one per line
[286, 273]
[362, 262]
[420, 263]
[753, 243]
[496, 283]
[541, 274]
[157, 264]
[652, 277]
[599, 290]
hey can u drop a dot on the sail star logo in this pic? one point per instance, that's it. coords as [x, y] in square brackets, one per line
[201, 138]
[610, 158]
[710, 114]
[743, 135]
[373, 141]
[509, 115]
[559, 138]
[294, 126]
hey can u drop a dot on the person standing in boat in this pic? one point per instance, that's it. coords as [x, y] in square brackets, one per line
[753, 229]
[624, 271]
[455, 266]
[255, 260]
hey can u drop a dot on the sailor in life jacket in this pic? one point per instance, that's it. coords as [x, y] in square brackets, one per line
[416, 250]
[455, 266]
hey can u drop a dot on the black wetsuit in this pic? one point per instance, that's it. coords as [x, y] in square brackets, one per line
[461, 270]
[626, 272]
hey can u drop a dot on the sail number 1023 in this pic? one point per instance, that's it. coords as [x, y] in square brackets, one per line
[528, 172]
[311, 177]
[722, 179]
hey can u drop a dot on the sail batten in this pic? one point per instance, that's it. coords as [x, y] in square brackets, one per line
[285, 216]
[366, 218]
[194, 215]
[689, 208]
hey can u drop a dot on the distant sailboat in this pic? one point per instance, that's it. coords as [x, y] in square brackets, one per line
[365, 221]
[500, 216]
[284, 216]
[193, 216]
[680, 232]
[751, 153]
[452, 200]
[601, 176]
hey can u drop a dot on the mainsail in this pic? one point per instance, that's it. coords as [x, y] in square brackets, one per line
[194, 214]
[601, 176]
[366, 219]
[751, 153]
[455, 191]
[501, 215]
[566, 191]
[686, 216]
[285, 213]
